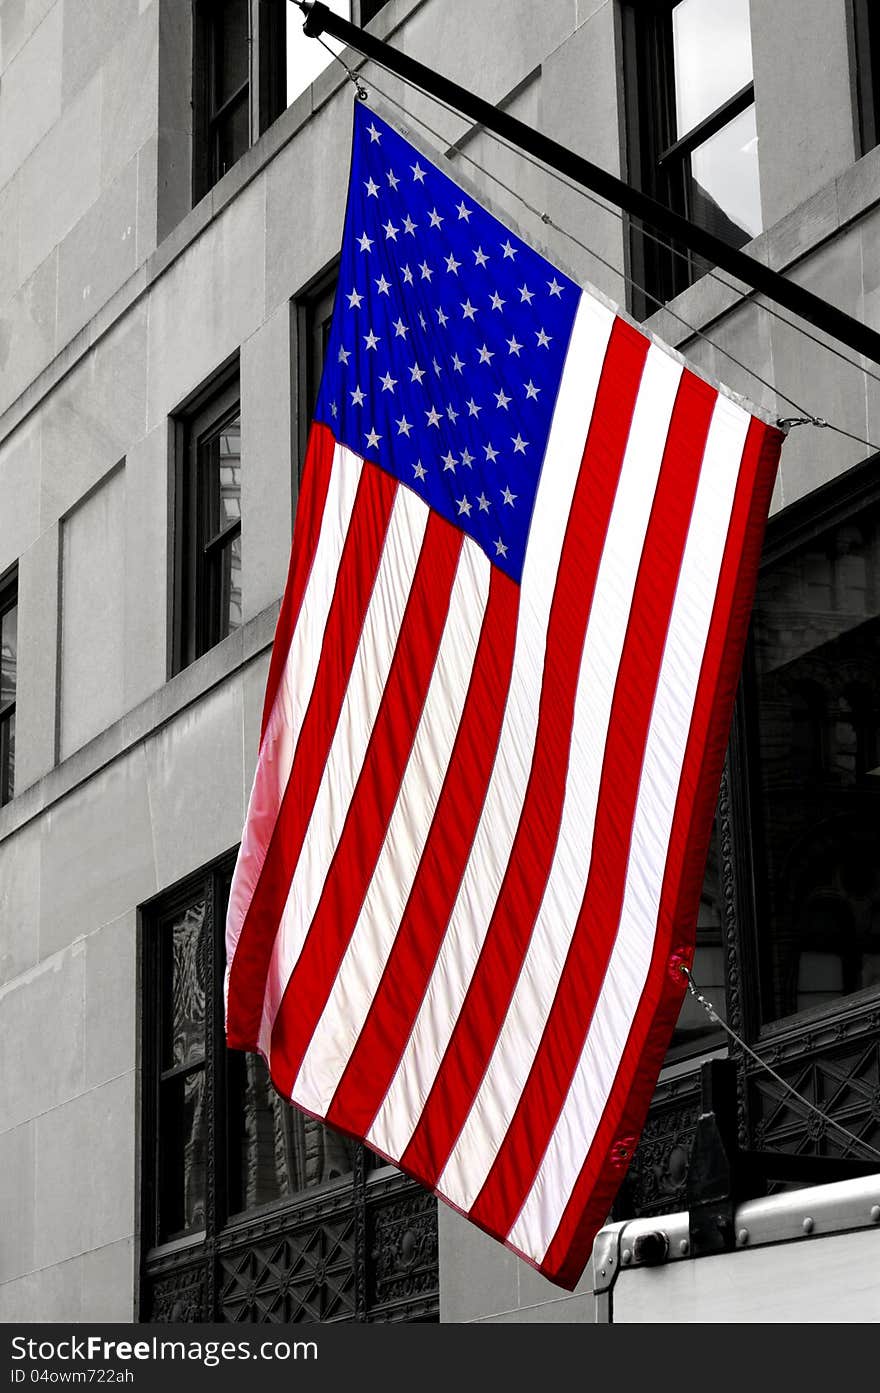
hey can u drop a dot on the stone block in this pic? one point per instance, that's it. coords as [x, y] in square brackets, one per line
[85, 1172]
[148, 177]
[35, 717]
[130, 107]
[579, 108]
[822, 384]
[27, 331]
[10, 277]
[90, 33]
[41, 1037]
[61, 179]
[111, 1000]
[19, 19]
[95, 416]
[92, 614]
[196, 783]
[55, 1294]
[20, 464]
[17, 1201]
[267, 463]
[19, 903]
[254, 689]
[108, 1283]
[207, 303]
[478, 1276]
[99, 254]
[97, 853]
[803, 142]
[525, 32]
[302, 232]
[146, 566]
[30, 94]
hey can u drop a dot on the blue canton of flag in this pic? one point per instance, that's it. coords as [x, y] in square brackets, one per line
[447, 345]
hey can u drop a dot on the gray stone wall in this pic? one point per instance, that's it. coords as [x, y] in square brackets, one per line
[116, 302]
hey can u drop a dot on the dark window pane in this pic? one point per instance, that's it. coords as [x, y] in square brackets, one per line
[231, 136]
[725, 193]
[709, 968]
[230, 48]
[275, 1151]
[817, 645]
[183, 988]
[229, 588]
[183, 1126]
[8, 654]
[7, 757]
[712, 57]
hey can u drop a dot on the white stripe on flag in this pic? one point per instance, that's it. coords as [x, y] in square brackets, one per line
[294, 691]
[366, 955]
[363, 697]
[495, 1103]
[627, 970]
[397, 1117]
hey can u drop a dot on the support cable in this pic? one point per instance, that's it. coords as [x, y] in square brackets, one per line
[716, 1020]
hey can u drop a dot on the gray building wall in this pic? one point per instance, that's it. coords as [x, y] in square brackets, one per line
[116, 302]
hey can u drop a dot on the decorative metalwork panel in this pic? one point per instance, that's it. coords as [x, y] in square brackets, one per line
[178, 1297]
[402, 1265]
[837, 1069]
[306, 1275]
[657, 1179]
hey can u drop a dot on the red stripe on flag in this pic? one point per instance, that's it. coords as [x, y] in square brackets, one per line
[407, 972]
[513, 1171]
[630, 1097]
[488, 996]
[354, 585]
[317, 468]
[366, 823]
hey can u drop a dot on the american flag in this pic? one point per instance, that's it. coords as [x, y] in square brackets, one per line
[523, 561]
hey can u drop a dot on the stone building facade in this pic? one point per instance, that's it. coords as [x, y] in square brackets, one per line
[170, 212]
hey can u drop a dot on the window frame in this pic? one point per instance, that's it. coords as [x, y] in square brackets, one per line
[657, 162]
[8, 601]
[314, 312]
[264, 89]
[864, 43]
[195, 624]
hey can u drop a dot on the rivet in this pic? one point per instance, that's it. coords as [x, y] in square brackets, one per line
[602, 1272]
[626, 1255]
[684, 1247]
[807, 1225]
[875, 1213]
[742, 1237]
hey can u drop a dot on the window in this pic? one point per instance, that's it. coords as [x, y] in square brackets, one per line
[815, 768]
[691, 135]
[865, 38]
[208, 534]
[251, 1210]
[314, 316]
[8, 664]
[238, 81]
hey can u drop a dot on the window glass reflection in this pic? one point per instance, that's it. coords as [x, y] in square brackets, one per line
[709, 967]
[184, 993]
[816, 632]
[712, 55]
[725, 192]
[275, 1151]
[183, 1127]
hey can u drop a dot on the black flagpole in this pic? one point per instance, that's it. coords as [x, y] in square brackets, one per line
[818, 312]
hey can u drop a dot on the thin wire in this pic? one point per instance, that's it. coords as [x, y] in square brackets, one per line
[714, 1016]
[355, 79]
[807, 417]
